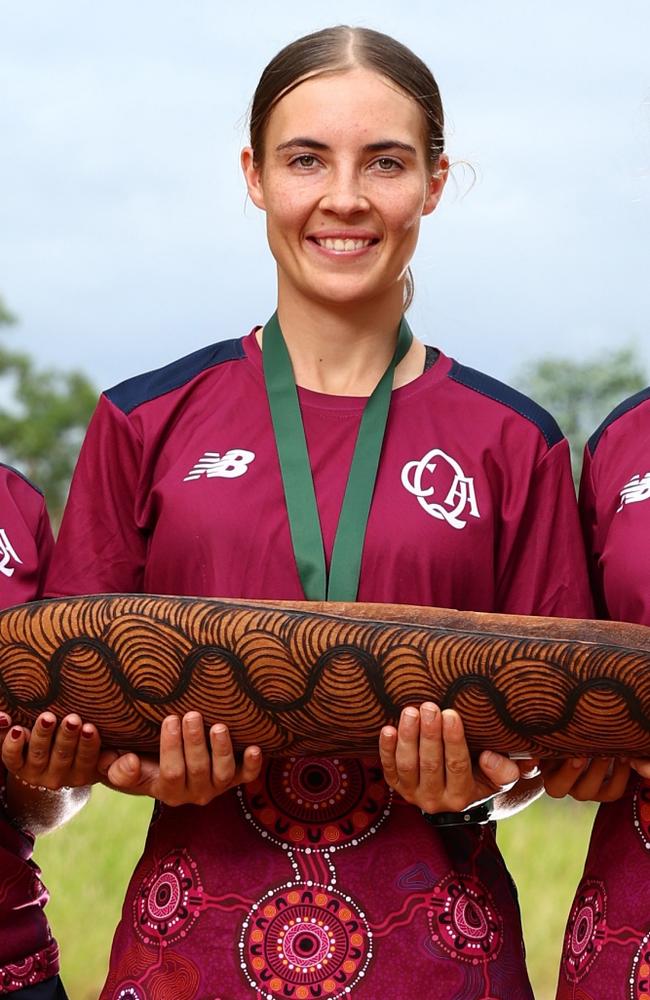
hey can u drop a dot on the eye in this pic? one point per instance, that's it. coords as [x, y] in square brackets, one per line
[305, 160]
[386, 163]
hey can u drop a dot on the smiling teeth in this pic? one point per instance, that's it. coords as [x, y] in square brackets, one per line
[343, 245]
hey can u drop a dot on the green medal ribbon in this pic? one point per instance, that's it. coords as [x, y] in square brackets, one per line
[304, 524]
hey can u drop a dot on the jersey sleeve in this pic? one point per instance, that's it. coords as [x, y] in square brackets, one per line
[542, 565]
[589, 519]
[101, 547]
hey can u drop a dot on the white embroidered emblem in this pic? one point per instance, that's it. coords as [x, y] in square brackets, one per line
[460, 497]
[7, 553]
[635, 491]
[229, 466]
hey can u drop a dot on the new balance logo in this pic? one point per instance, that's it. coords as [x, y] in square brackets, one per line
[636, 490]
[229, 466]
[445, 478]
[7, 553]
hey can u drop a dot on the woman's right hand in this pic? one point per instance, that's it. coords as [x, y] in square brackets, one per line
[187, 770]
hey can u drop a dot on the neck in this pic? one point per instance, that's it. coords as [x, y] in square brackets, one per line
[344, 350]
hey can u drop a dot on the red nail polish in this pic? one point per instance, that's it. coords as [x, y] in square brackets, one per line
[71, 726]
[47, 723]
[86, 734]
[16, 733]
[4, 720]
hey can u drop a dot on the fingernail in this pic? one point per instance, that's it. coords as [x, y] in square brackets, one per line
[173, 725]
[428, 712]
[411, 713]
[4, 721]
[255, 753]
[490, 759]
[16, 733]
[47, 722]
[578, 763]
[86, 733]
[448, 722]
[387, 732]
[71, 726]
[218, 729]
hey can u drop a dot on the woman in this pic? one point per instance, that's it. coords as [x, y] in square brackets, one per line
[311, 878]
[607, 941]
[64, 755]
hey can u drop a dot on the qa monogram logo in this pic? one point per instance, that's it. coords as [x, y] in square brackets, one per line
[7, 553]
[460, 497]
[229, 466]
[635, 491]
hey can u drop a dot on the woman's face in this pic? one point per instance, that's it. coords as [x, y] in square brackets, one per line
[344, 183]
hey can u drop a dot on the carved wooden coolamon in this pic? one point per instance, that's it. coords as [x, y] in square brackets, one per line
[323, 678]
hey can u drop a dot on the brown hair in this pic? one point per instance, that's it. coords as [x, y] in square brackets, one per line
[338, 49]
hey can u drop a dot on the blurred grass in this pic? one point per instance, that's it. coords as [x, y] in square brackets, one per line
[87, 864]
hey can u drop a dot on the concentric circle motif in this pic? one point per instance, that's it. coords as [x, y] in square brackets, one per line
[641, 807]
[305, 941]
[169, 900]
[585, 931]
[640, 972]
[463, 919]
[317, 803]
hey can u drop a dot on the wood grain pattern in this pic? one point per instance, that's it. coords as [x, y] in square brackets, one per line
[323, 678]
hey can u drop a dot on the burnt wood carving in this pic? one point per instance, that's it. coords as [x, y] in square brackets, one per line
[322, 678]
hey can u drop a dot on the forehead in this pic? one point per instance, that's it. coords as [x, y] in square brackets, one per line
[353, 105]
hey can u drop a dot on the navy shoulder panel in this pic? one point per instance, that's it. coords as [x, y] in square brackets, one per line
[143, 388]
[628, 404]
[21, 475]
[509, 397]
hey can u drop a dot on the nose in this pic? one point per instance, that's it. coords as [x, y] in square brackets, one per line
[344, 195]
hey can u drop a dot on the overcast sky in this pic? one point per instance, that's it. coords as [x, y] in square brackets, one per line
[125, 240]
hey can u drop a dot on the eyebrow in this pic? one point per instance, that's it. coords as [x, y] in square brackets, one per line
[383, 146]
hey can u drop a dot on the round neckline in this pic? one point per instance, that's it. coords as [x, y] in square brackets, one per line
[329, 401]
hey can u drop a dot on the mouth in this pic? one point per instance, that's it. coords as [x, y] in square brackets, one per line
[343, 245]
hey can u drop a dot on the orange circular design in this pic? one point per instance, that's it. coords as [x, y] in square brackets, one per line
[258, 963]
[329, 985]
[297, 833]
[321, 899]
[293, 897]
[349, 966]
[270, 910]
[356, 940]
[302, 992]
[268, 816]
[644, 969]
[332, 833]
[257, 936]
[360, 819]
[276, 984]
[344, 913]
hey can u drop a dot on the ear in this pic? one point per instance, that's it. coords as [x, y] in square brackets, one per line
[253, 177]
[436, 185]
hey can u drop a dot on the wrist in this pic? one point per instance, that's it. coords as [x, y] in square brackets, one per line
[476, 815]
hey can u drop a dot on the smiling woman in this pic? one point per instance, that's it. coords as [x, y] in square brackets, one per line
[327, 455]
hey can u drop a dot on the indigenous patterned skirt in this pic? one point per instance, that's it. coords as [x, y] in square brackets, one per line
[606, 951]
[315, 882]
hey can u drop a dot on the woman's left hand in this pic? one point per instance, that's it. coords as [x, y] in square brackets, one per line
[603, 779]
[427, 761]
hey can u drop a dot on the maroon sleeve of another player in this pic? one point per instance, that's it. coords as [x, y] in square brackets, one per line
[100, 548]
[541, 556]
[589, 519]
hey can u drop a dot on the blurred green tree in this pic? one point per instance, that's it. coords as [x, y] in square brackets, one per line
[43, 416]
[580, 394]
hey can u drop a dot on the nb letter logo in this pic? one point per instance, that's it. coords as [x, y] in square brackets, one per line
[229, 466]
[7, 553]
[635, 491]
[439, 473]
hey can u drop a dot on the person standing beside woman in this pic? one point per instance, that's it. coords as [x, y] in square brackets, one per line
[607, 941]
[327, 455]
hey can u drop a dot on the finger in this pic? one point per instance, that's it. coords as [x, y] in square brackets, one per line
[125, 771]
[173, 773]
[62, 754]
[500, 771]
[642, 766]
[251, 765]
[563, 777]
[590, 782]
[13, 749]
[37, 754]
[5, 723]
[432, 757]
[459, 778]
[387, 746]
[195, 748]
[407, 751]
[87, 755]
[224, 767]
[617, 782]
[106, 758]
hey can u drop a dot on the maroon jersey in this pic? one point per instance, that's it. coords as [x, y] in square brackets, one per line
[28, 953]
[315, 881]
[607, 941]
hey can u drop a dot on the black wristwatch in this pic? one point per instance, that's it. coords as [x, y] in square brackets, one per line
[482, 813]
